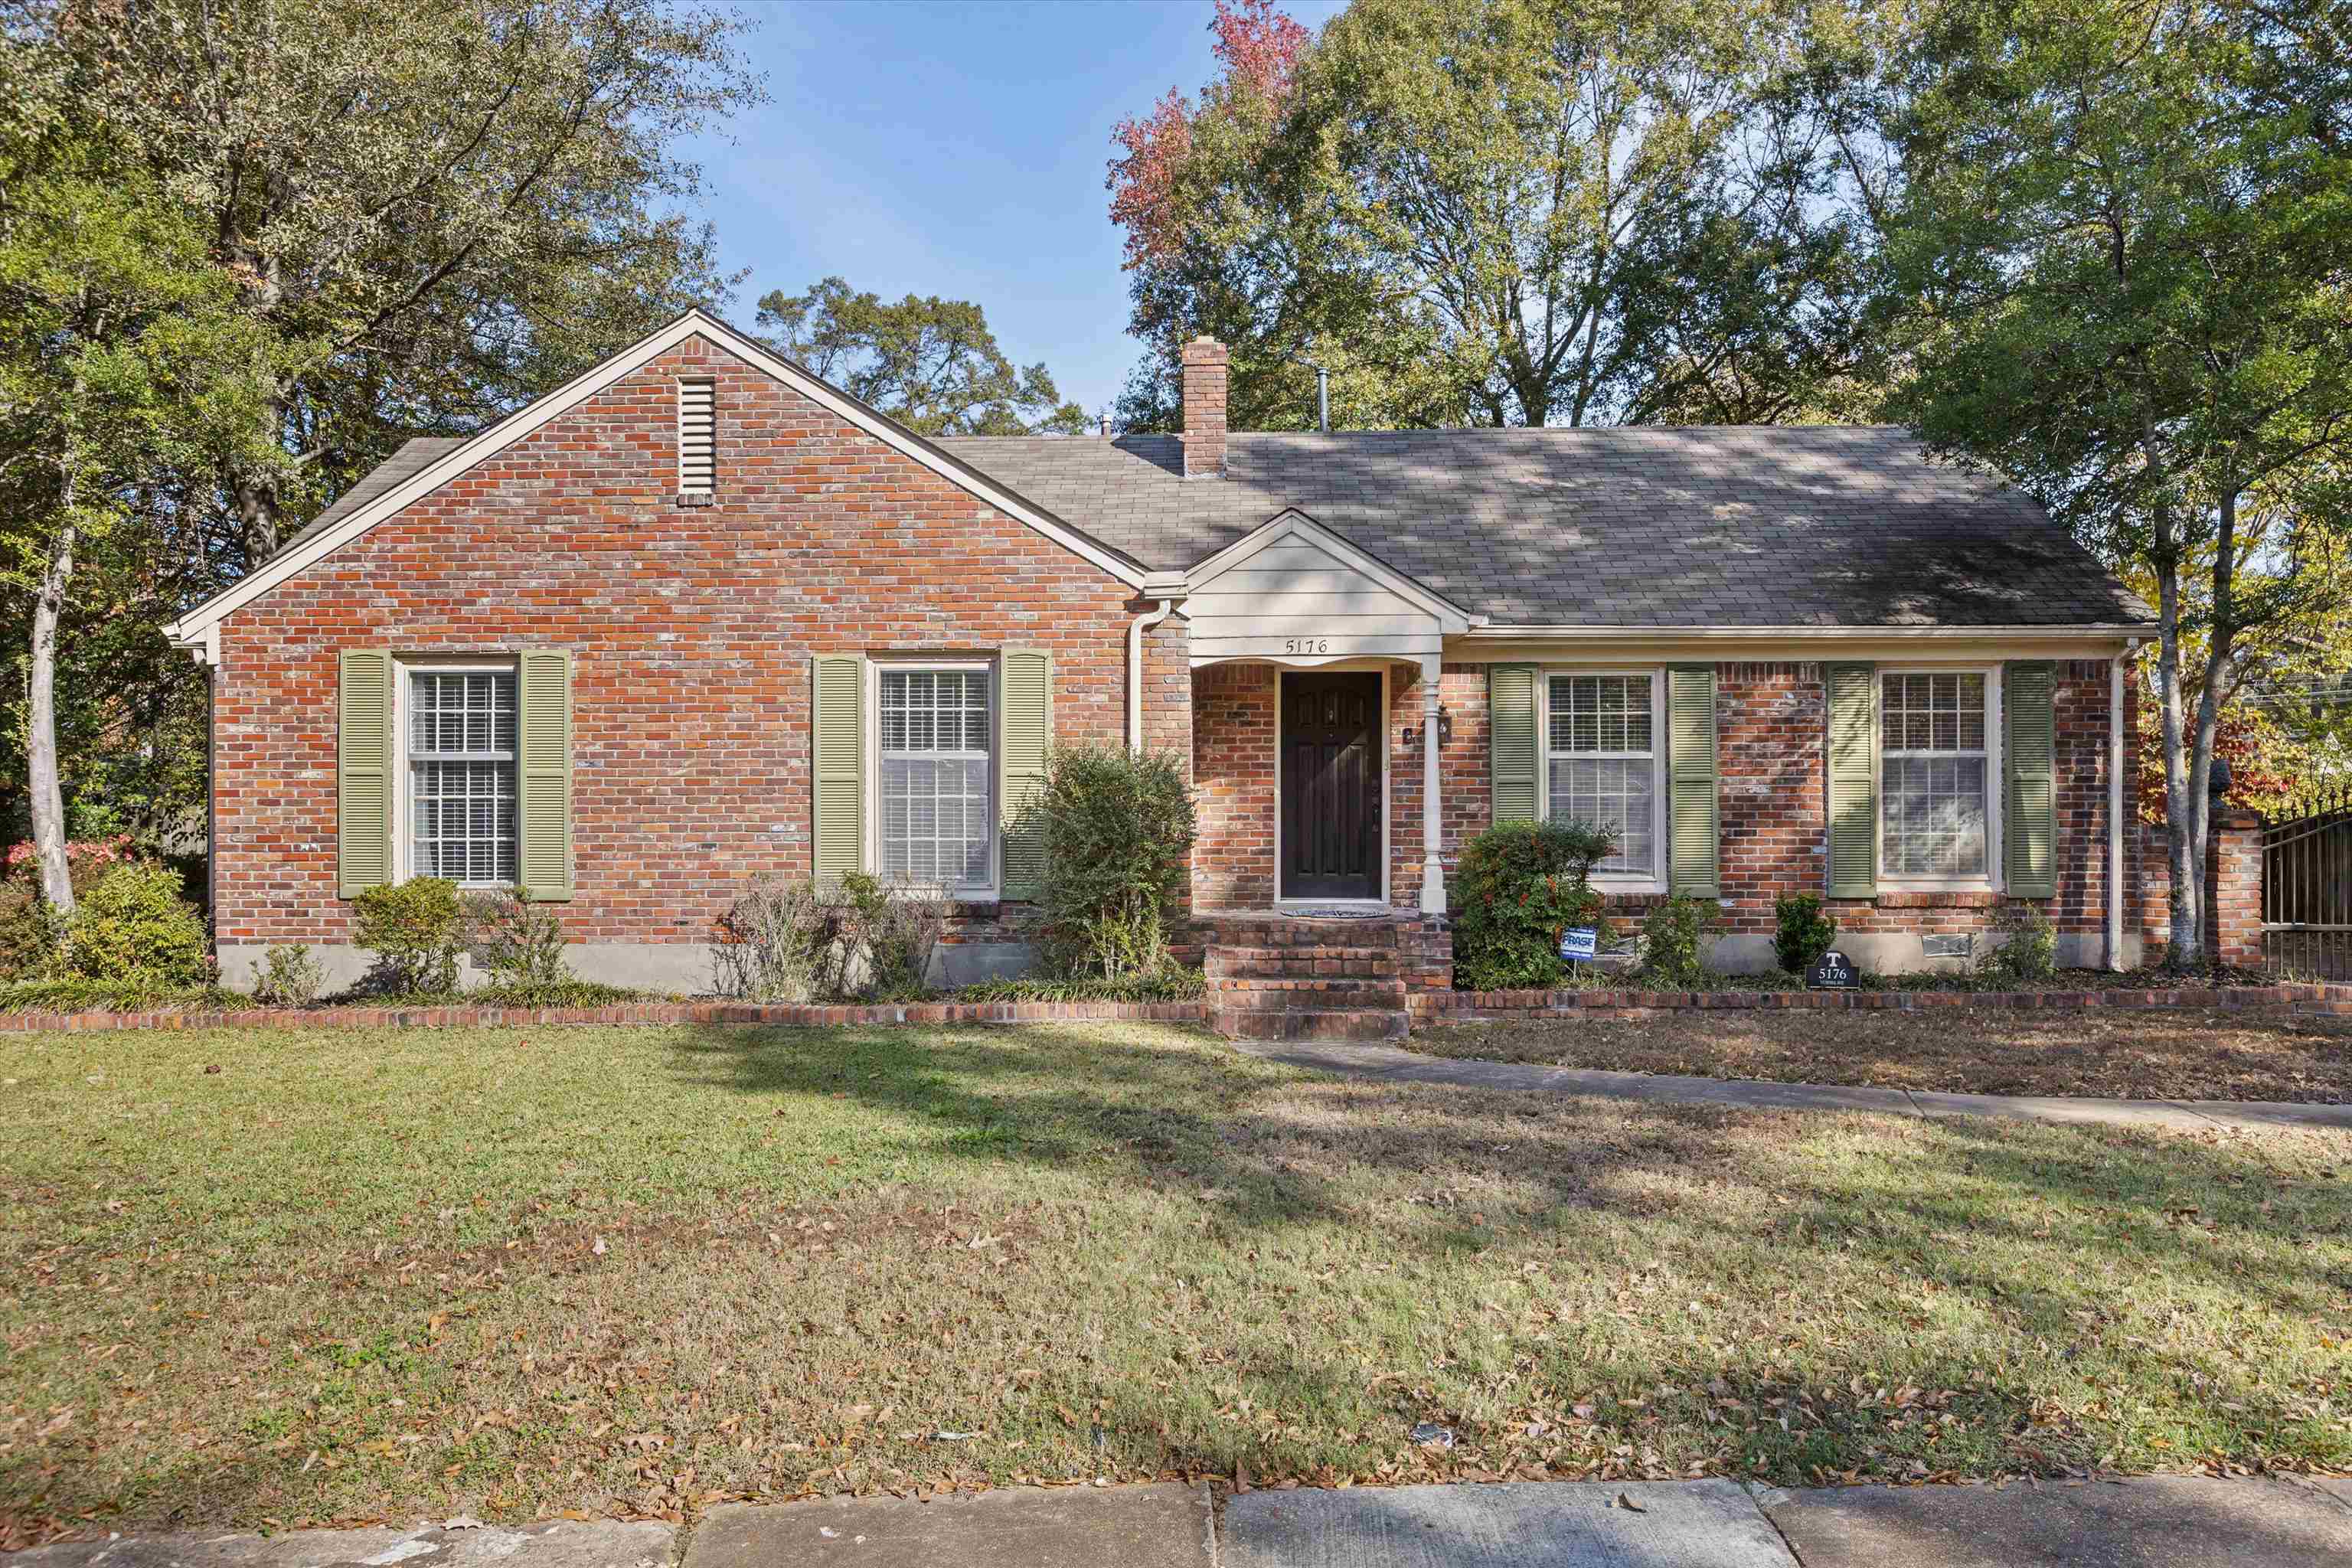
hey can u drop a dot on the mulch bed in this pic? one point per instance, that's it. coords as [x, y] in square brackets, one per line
[2191, 1053]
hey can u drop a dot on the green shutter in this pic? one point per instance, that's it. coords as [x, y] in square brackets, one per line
[1853, 780]
[1025, 702]
[838, 704]
[1511, 740]
[544, 783]
[363, 772]
[2029, 758]
[1694, 835]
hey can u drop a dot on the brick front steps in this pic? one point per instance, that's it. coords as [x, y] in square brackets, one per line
[1284, 977]
[619, 1013]
[1442, 1007]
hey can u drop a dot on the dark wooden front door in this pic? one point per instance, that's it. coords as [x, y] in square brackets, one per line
[1331, 735]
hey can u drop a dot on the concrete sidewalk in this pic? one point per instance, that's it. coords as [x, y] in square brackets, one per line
[1395, 1066]
[2170, 1521]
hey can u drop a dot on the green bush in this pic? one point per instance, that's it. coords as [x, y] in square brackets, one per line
[1520, 885]
[134, 929]
[1670, 942]
[416, 930]
[2026, 944]
[1805, 934]
[1115, 830]
[289, 977]
[515, 942]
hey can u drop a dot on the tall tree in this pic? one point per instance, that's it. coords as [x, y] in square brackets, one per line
[1501, 212]
[930, 363]
[2125, 224]
[429, 211]
[123, 352]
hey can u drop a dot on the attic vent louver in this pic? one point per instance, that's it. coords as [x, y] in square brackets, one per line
[696, 437]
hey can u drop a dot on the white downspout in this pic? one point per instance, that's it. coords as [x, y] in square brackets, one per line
[2115, 762]
[1134, 630]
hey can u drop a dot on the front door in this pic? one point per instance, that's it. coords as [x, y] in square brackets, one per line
[1331, 733]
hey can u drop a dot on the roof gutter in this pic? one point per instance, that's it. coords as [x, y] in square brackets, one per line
[1800, 633]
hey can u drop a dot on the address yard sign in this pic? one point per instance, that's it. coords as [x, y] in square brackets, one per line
[1835, 972]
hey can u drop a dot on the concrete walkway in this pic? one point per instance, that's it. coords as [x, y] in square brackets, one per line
[1392, 1065]
[2171, 1521]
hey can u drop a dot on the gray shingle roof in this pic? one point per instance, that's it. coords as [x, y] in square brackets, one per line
[1641, 526]
[416, 455]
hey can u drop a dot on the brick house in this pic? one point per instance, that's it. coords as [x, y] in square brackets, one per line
[698, 616]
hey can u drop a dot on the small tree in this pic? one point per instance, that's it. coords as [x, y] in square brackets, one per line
[1117, 830]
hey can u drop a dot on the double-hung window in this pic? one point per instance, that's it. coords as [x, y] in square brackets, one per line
[936, 762]
[1935, 775]
[1602, 744]
[461, 776]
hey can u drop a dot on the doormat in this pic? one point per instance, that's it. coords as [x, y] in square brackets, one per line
[1312, 912]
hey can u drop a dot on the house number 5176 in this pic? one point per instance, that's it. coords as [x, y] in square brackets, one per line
[1307, 645]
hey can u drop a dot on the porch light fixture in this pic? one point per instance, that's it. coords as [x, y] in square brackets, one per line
[1412, 735]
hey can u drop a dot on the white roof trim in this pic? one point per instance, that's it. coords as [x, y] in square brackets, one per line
[192, 626]
[2102, 632]
[1293, 523]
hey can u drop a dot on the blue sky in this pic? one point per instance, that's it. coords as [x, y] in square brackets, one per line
[955, 150]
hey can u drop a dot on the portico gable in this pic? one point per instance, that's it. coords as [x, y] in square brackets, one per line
[1295, 592]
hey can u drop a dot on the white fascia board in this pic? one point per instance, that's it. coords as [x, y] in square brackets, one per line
[1293, 523]
[189, 628]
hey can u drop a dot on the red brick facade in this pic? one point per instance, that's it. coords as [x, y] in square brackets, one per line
[691, 627]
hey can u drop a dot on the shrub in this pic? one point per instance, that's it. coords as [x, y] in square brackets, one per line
[882, 934]
[1670, 941]
[134, 929]
[1114, 829]
[289, 977]
[415, 929]
[2027, 943]
[1805, 932]
[1520, 885]
[787, 941]
[771, 942]
[518, 944]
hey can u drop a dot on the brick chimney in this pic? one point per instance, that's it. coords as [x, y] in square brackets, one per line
[1204, 408]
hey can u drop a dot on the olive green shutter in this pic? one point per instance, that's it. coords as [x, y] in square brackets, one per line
[543, 787]
[1511, 740]
[1693, 818]
[837, 703]
[363, 772]
[1853, 781]
[2029, 753]
[1026, 700]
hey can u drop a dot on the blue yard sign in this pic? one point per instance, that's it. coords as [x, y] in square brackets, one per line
[1579, 941]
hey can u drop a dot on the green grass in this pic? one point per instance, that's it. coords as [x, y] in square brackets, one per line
[360, 1275]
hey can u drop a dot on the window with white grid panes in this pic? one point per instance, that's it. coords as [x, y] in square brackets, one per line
[1601, 737]
[1935, 775]
[461, 768]
[937, 757]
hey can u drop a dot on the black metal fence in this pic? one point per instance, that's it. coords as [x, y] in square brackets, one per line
[2307, 889]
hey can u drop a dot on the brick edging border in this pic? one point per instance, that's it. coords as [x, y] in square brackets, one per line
[2321, 1000]
[461, 1017]
[1425, 1006]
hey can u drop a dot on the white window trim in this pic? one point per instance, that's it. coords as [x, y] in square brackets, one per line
[1655, 880]
[992, 890]
[1995, 801]
[403, 801]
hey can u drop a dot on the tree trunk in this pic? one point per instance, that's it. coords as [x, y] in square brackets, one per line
[2188, 885]
[2208, 708]
[48, 805]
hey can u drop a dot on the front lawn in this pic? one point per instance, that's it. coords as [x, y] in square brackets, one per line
[280, 1277]
[2202, 1052]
